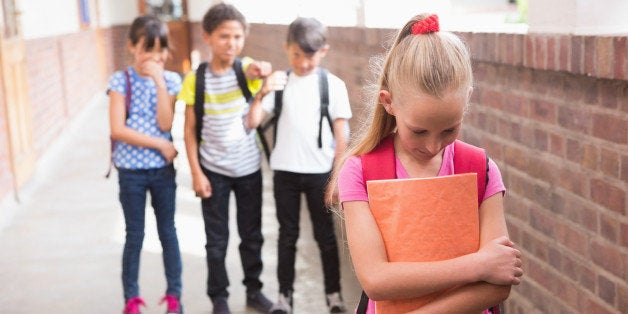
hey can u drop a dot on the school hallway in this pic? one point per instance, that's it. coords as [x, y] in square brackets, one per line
[62, 242]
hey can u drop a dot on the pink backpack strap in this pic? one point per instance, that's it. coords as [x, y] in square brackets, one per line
[472, 159]
[379, 164]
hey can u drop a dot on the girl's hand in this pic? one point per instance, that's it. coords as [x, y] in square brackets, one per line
[258, 69]
[500, 263]
[154, 70]
[168, 151]
[202, 186]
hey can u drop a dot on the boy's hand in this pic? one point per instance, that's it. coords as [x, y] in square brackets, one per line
[258, 69]
[202, 186]
[276, 81]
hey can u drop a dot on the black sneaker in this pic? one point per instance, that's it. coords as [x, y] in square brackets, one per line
[258, 301]
[221, 306]
[335, 303]
[283, 305]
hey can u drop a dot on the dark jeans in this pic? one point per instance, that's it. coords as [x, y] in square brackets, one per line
[248, 195]
[162, 187]
[288, 187]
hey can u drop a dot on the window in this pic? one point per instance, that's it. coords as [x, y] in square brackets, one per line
[167, 10]
[84, 14]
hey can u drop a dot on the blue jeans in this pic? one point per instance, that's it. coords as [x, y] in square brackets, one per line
[248, 195]
[162, 187]
[287, 188]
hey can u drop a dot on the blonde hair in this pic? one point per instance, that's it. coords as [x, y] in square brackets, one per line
[434, 63]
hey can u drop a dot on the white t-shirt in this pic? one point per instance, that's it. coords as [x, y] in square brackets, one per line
[296, 148]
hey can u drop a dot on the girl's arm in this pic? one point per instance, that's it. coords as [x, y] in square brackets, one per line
[383, 280]
[165, 101]
[165, 107]
[120, 132]
[200, 182]
[481, 295]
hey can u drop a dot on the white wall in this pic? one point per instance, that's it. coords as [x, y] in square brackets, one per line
[197, 8]
[581, 17]
[454, 14]
[283, 11]
[117, 12]
[42, 18]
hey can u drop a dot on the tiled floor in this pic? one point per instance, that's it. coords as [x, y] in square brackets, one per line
[61, 243]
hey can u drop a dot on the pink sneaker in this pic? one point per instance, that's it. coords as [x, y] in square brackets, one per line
[133, 306]
[174, 306]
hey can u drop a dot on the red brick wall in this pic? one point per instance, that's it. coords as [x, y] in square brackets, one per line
[81, 67]
[348, 57]
[115, 45]
[64, 73]
[6, 178]
[552, 111]
[46, 90]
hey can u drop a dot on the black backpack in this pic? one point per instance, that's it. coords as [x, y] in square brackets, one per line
[324, 96]
[199, 99]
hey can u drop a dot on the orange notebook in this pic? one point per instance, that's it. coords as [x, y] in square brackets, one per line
[425, 219]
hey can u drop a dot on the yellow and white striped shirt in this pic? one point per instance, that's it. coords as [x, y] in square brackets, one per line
[227, 147]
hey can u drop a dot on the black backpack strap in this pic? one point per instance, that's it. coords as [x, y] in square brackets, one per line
[323, 86]
[363, 304]
[237, 67]
[199, 98]
[276, 113]
[246, 92]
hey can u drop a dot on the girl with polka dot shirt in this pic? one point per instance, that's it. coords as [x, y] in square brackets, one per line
[141, 111]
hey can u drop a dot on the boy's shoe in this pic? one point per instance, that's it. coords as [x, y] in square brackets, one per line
[221, 306]
[174, 306]
[258, 301]
[133, 306]
[283, 305]
[335, 303]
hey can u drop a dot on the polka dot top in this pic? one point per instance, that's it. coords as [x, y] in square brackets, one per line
[142, 117]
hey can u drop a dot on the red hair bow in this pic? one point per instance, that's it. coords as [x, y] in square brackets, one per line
[426, 25]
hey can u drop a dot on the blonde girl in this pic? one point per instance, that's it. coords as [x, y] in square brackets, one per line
[424, 90]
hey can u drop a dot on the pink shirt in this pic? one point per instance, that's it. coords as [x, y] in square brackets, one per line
[351, 185]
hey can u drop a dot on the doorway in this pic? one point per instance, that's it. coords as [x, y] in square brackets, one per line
[18, 108]
[174, 13]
